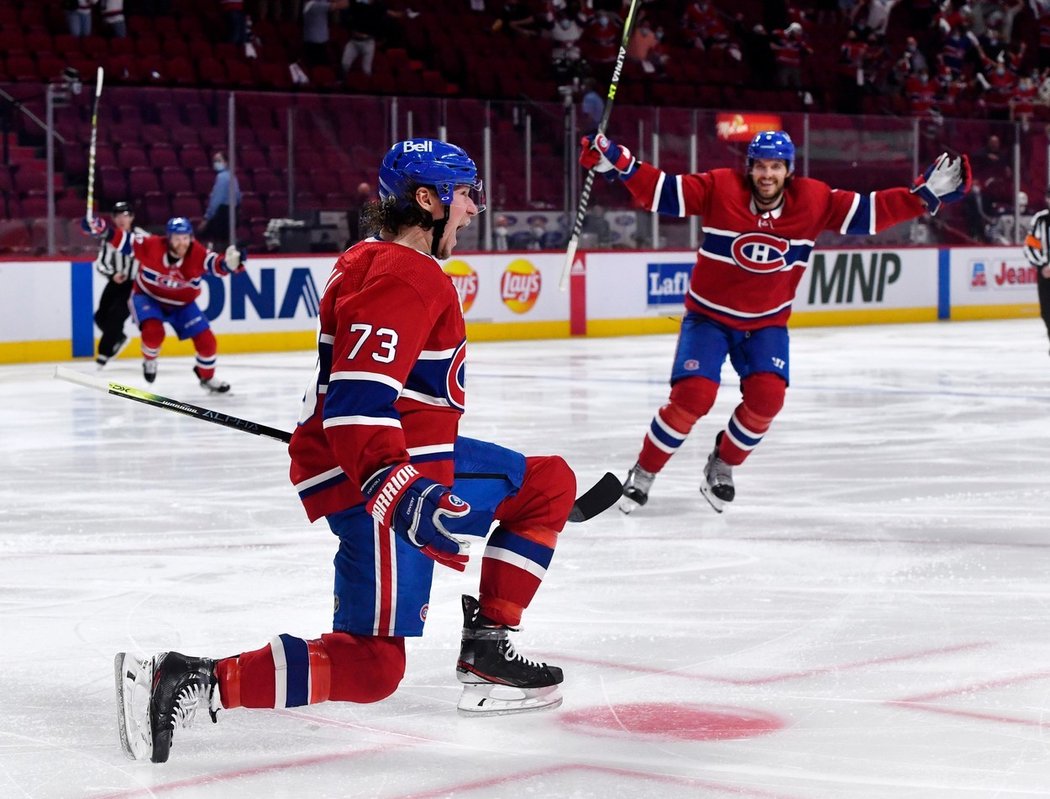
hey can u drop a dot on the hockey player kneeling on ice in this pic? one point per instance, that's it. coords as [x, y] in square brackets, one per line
[378, 455]
[166, 288]
[760, 225]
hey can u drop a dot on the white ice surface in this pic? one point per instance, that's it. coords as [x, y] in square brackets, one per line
[870, 618]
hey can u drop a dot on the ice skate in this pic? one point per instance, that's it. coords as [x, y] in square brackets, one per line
[149, 370]
[636, 488]
[157, 694]
[496, 679]
[102, 359]
[211, 384]
[717, 486]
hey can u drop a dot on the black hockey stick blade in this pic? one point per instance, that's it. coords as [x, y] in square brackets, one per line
[597, 499]
[168, 404]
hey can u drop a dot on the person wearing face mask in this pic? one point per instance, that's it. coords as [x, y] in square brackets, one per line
[378, 455]
[217, 215]
[760, 224]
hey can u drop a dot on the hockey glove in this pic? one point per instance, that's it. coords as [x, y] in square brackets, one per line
[944, 181]
[603, 155]
[417, 509]
[235, 259]
[95, 227]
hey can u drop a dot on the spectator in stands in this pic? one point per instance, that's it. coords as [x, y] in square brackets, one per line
[365, 20]
[516, 17]
[644, 46]
[113, 17]
[592, 106]
[500, 231]
[362, 198]
[316, 30]
[78, 16]
[236, 30]
[873, 16]
[992, 188]
[601, 38]
[913, 59]
[216, 230]
[790, 50]
[566, 30]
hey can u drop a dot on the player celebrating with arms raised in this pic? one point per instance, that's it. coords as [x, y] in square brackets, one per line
[760, 227]
[167, 286]
[376, 453]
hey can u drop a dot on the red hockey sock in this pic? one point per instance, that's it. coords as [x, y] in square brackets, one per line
[290, 671]
[206, 347]
[152, 334]
[690, 399]
[763, 398]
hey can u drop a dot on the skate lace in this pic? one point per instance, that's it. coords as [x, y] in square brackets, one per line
[190, 698]
[511, 654]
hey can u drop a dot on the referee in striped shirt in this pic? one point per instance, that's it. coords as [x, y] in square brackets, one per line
[120, 270]
[1037, 251]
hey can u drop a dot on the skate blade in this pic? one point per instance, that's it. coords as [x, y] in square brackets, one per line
[134, 680]
[628, 505]
[490, 699]
[709, 495]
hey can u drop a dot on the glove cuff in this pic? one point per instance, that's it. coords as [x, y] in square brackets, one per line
[933, 202]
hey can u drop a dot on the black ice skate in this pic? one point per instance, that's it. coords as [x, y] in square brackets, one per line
[158, 694]
[496, 679]
[211, 384]
[149, 370]
[717, 486]
[636, 488]
[102, 358]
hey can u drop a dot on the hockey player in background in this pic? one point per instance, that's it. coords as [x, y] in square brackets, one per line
[1037, 251]
[119, 270]
[378, 455]
[166, 289]
[760, 225]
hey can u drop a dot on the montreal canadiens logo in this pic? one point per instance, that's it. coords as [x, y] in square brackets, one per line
[760, 252]
[455, 379]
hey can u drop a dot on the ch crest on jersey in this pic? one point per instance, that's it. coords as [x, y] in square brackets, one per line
[455, 381]
[760, 252]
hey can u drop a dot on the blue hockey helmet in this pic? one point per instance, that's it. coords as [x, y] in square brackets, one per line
[773, 144]
[179, 224]
[429, 162]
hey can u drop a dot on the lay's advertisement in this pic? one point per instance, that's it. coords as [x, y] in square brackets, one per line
[516, 293]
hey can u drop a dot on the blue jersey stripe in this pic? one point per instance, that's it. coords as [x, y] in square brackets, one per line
[719, 246]
[668, 203]
[323, 485]
[860, 223]
[360, 398]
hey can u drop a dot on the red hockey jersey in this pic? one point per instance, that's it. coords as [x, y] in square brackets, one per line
[389, 381]
[163, 278]
[750, 263]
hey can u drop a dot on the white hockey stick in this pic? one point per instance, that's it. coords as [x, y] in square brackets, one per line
[91, 150]
[588, 183]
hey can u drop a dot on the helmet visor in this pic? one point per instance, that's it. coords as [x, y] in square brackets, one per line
[476, 192]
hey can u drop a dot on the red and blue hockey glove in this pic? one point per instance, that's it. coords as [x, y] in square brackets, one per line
[234, 258]
[417, 508]
[944, 181]
[95, 227]
[604, 155]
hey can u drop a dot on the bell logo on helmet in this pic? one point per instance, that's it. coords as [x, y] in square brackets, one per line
[425, 146]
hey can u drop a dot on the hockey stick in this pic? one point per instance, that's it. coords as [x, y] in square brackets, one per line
[91, 150]
[168, 404]
[600, 497]
[588, 183]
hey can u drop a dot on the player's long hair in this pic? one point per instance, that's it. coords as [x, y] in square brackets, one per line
[391, 215]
